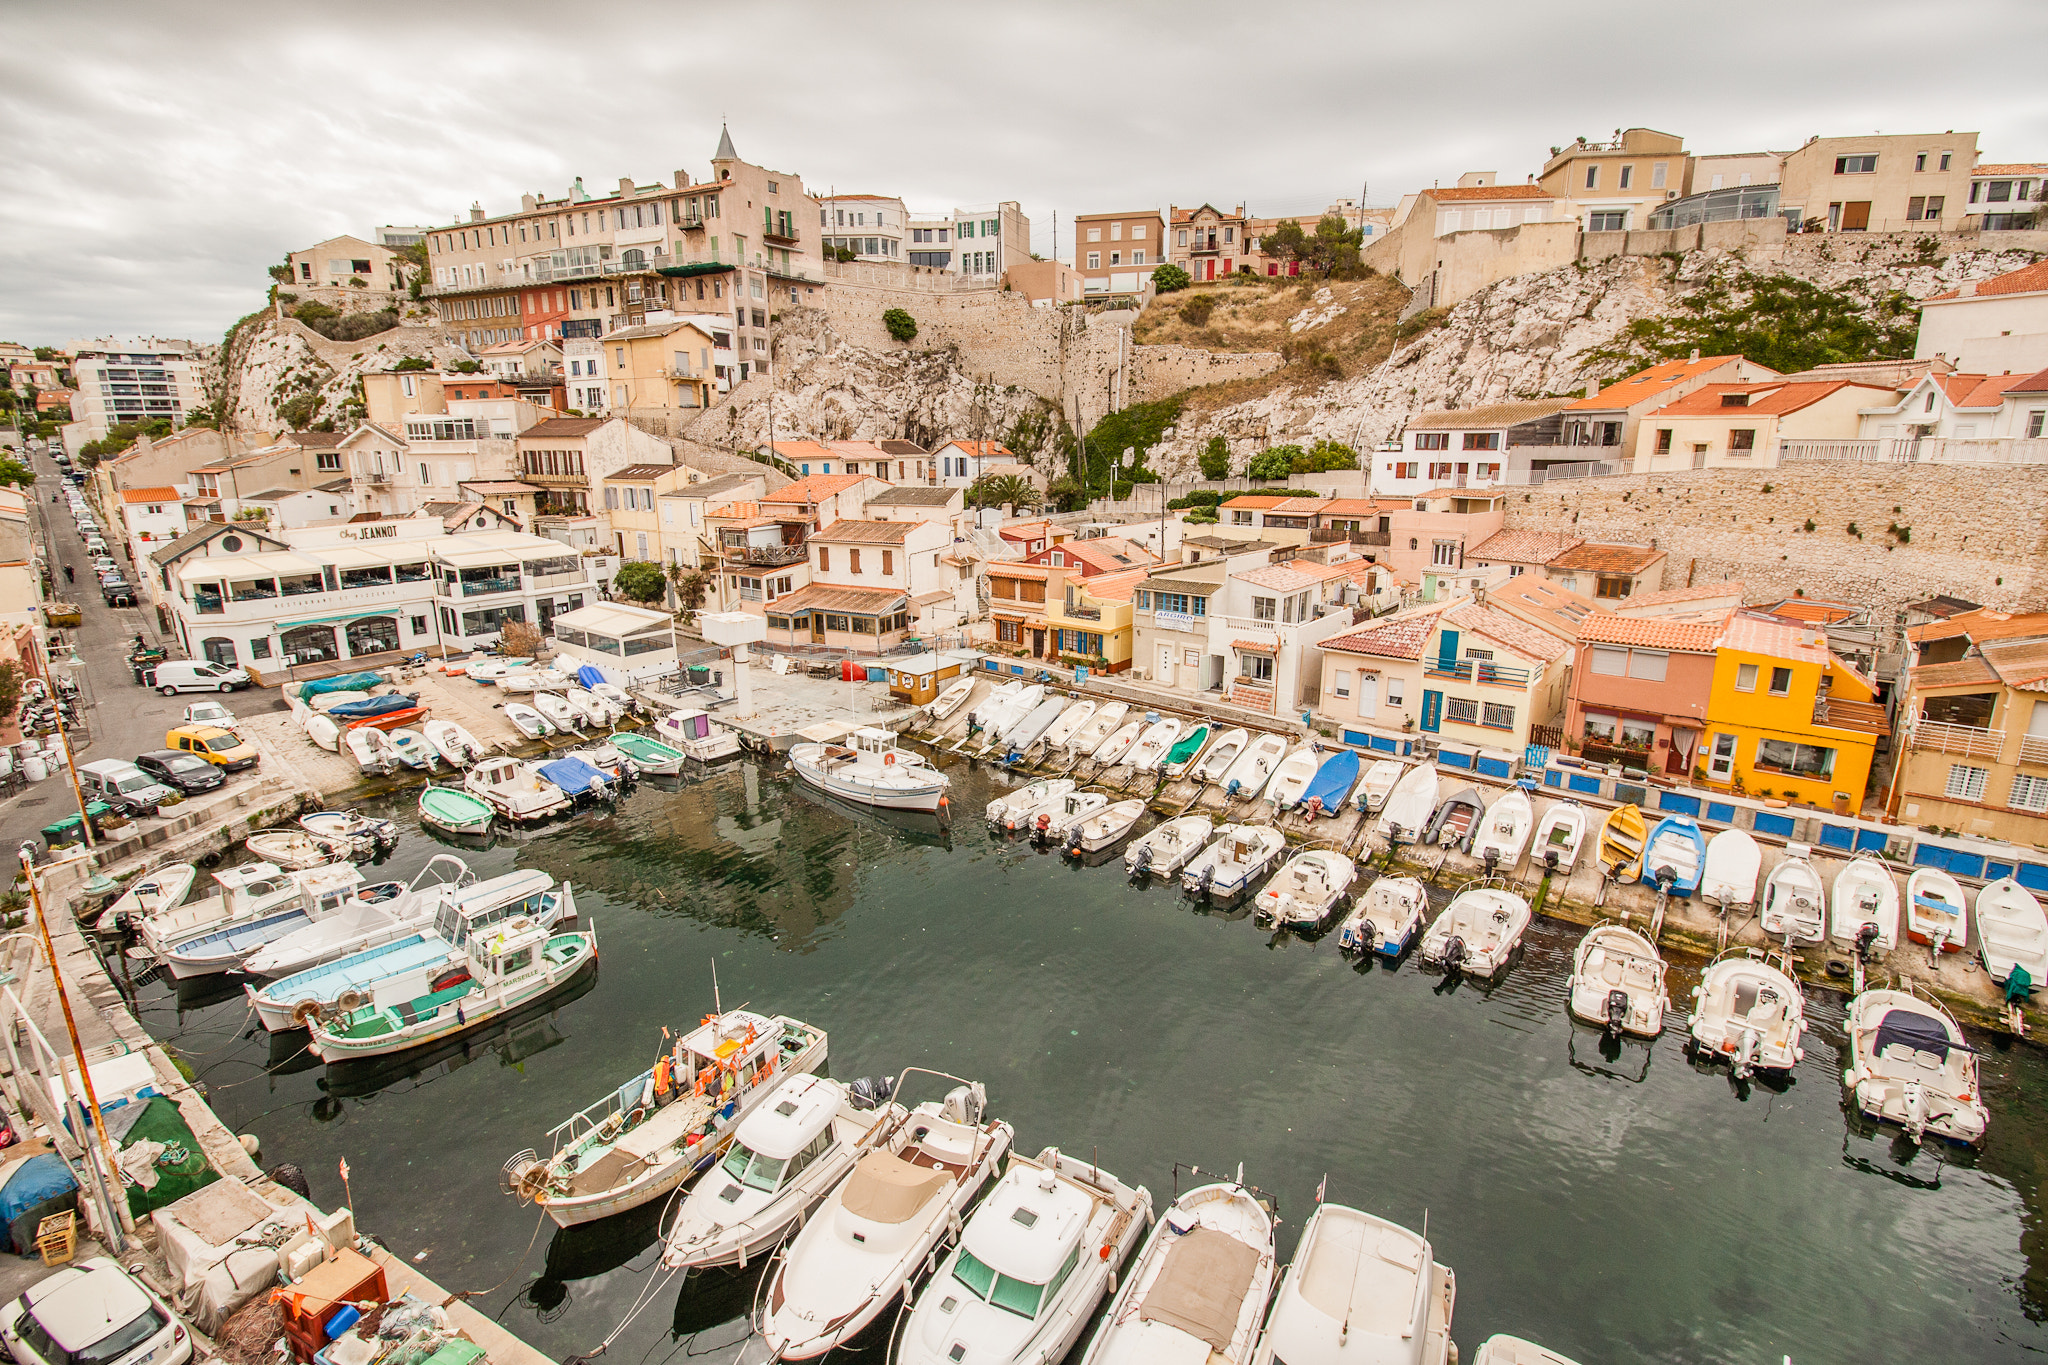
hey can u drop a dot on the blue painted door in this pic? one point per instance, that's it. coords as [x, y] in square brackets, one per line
[1447, 650]
[1432, 711]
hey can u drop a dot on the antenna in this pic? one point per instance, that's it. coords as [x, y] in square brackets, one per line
[716, 1007]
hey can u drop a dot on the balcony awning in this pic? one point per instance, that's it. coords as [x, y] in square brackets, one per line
[1256, 646]
[695, 268]
[341, 618]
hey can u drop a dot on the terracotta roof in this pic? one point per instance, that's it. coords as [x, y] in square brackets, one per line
[2033, 383]
[1981, 625]
[1810, 611]
[1524, 547]
[1757, 633]
[1276, 577]
[314, 440]
[1017, 568]
[1517, 634]
[1461, 194]
[1693, 633]
[149, 495]
[1961, 672]
[1107, 553]
[1557, 610]
[1299, 506]
[2010, 168]
[1989, 390]
[1697, 593]
[1942, 605]
[640, 473]
[816, 488]
[1324, 572]
[711, 488]
[563, 426]
[1396, 637]
[2026, 280]
[2021, 664]
[849, 531]
[1490, 415]
[1114, 587]
[1024, 530]
[1773, 397]
[1629, 559]
[901, 447]
[1359, 507]
[982, 448]
[908, 495]
[1257, 501]
[832, 597]
[1649, 383]
[1257, 646]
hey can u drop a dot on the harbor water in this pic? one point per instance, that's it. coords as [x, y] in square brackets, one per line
[1612, 1203]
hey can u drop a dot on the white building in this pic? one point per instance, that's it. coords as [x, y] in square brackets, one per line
[586, 376]
[1993, 326]
[872, 226]
[618, 637]
[930, 241]
[133, 379]
[1501, 443]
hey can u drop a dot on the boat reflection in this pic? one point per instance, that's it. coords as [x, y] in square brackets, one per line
[512, 1038]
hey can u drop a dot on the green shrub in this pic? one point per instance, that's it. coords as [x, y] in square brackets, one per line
[297, 412]
[1206, 517]
[641, 581]
[1205, 497]
[1121, 489]
[901, 325]
[1273, 464]
[1215, 458]
[412, 363]
[310, 313]
[1168, 278]
[1197, 310]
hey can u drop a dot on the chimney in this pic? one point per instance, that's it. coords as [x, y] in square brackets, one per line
[682, 180]
[1695, 354]
[476, 212]
[528, 203]
[625, 187]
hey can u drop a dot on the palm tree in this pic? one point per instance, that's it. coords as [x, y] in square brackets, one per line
[995, 490]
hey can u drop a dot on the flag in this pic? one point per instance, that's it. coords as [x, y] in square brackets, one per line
[344, 1171]
[1321, 1186]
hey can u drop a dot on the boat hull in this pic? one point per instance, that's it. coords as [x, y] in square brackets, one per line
[924, 796]
[339, 1051]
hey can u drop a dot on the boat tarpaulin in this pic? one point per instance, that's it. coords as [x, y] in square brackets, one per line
[374, 706]
[884, 1188]
[574, 775]
[343, 682]
[590, 675]
[178, 1165]
[36, 1188]
[1921, 1032]
[1201, 1287]
[1185, 750]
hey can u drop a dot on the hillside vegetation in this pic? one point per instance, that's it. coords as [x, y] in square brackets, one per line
[1327, 331]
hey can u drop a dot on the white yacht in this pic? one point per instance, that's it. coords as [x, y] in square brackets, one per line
[696, 734]
[1478, 932]
[1501, 1349]
[1504, 830]
[950, 700]
[457, 746]
[322, 894]
[1014, 808]
[1360, 1291]
[1033, 1262]
[158, 891]
[1165, 847]
[1307, 888]
[1795, 899]
[246, 893]
[1112, 750]
[1198, 1290]
[1015, 711]
[1386, 919]
[1748, 1011]
[1617, 982]
[1238, 856]
[871, 771]
[1041, 718]
[1936, 912]
[514, 790]
[1910, 1065]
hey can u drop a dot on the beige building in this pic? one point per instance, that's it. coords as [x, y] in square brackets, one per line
[1116, 253]
[1878, 183]
[1975, 743]
[1207, 242]
[1605, 421]
[663, 366]
[568, 459]
[1613, 186]
[874, 227]
[1744, 426]
[348, 261]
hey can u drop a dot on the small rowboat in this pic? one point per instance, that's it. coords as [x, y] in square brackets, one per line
[1622, 838]
[649, 755]
[455, 812]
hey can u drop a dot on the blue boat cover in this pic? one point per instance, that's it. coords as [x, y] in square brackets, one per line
[346, 682]
[590, 675]
[36, 1183]
[573, 775]
[373, 706]
[1333, 780]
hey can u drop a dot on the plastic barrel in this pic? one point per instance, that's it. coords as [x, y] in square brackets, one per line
[34, 769]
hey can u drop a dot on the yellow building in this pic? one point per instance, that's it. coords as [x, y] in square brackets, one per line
[630, 499]
[1786, 717]
[662, 365]
[1975, 752]
[1092, 618]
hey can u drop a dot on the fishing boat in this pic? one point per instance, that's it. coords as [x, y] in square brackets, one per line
[372, 750]
[514, 964]
[1504, 831]
[869, 1239]
[246, 892]
[1376, 785]
[1051, 822]
[1168, 845]
[1502, 1349]
[1936, 912]
[1865, 909]
[514, 790]
[948, 701]
[323, 731]
[1675, 857]
[1290, 779]
[455, 811]
[1221, 756]
[608, 759]
[1035, 1259]
[1325, 792]
[1152, 746]
[783, 1160]
[556, 709]
[1748, 1012]
[1108, 718]
[370, 919]
[1026, 733]
[1015, 712]
[1617, 982]
[1619, 851]
[871, 771]
[1112, 750]
[2012, 937]
[153, 894]
[1386, 919]
[668, 1124]
[453, 743]
[407, 964]
[1360, 1289]
[1733, 860]
[696, 734]
[323, 893]
[1910, 1065]
[1795, 900]
[1198, 1290]
[1185, 752]
[1456, 820]
[1238, 856]
[1248, 776]
[1477, 932]
[651, 756]
[528, 721]
[1307, 888]
[490, 670]
[293, 849]
[1558, 836]
[1012, 809]
[362, 833]
[1409, 805]
[1104, 827]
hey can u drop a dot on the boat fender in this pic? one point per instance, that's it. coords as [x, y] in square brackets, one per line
[646, 1097]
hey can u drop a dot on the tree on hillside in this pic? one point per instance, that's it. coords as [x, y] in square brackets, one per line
[640, 581]
[1326, 455]
[1215, 459]
[901, 325]
[15, 474]
[1169, 277]
[1778, 321]
[1330, 250]
[1065, 493]
[1273, 464]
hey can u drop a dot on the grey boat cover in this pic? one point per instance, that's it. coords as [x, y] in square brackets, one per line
[1202, 1286]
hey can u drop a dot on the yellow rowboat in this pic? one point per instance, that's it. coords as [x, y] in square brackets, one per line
[1622, 836]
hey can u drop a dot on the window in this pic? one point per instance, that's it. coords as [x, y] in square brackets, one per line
[1257, 667]
[1095, 234]
[2037, 422]
[1965, 783]
[1116, 258]
[1944, 159]
[1444, 554]
[1095, 260]
[1663, 440]
[853, 561]
[1482, 440]
[1463, 710]
[1340, 683]
[824, 559]
[1593, 177]
[1262, 608]
[1610, 221]
[1138, 257]
[1658, 171]
[1934, 205]
[1741, 440]
[1609, 661]
[1628, 175]
[1396, 691]
[1009, 632]
[1432, 440]
[1745, 677]
[2028, 793]
[1647, 664]
[833, 621]
[1858, 165]
[1497, 717]
[1781, 682]
[327, 459]
[888, 562]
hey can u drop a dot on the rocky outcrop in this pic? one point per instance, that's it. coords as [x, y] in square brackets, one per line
[273, 361]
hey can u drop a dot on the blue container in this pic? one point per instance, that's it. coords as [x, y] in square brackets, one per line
[344, 1318]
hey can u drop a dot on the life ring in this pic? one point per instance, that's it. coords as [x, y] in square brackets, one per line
[888, 759]
[639, 1112]
[349, 1001]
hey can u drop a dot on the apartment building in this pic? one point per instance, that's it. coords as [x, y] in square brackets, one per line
[687, 508]
[569, 458]
[633, 503]
[348, 262]
[760, 549]
[1491, 680]
[1501, 443]
[1237, 626]
[1613, 186]
[870, 582]
[118, 380]
[1206, 241]
[1878, 183]
[1604, 423]
[1974, 752]
[1746, 426]
[874, 227]
[1116, 253]
[1640, 688]
[2007, 197]
[991, 240]
[1992, 326]
[667, 366]
[1788, 717]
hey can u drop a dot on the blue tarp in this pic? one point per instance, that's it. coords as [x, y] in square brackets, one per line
[373, 706]
[40, 1186]
[347, 682]
[573, 775]
[590, 675]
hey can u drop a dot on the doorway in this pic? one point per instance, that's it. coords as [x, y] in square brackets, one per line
[1721, 759]
[1432, 711]
[219, 650]
[1037, 644]
[1165, 666]
[1678, 759]
[1856, 216]
[817, 629]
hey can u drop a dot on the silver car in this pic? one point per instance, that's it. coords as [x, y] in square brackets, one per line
[93, 1313]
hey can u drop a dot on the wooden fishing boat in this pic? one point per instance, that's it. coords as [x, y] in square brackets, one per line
[1623, 836]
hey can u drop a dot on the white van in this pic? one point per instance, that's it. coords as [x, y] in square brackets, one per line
[125, 787]
[196, 675]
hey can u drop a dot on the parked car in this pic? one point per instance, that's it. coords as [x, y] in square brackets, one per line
[209, 713]
[126, 787]
[214, 743]
[189, 773]
[117, 594]
[196, 675]
[92, 1312]
[104, 562]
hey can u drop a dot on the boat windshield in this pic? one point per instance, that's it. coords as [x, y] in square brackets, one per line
[1006, 1292]
[752, 1169]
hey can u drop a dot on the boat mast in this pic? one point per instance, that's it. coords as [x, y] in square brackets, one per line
[716, 1007]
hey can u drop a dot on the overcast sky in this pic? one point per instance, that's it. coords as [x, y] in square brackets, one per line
[162, 154]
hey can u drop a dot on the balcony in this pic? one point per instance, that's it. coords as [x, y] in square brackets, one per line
[1478, 671]
[1340, 535]
[1925, 450]
[766, 555]
[1204, 246]
[789, 238]
[1969, 741]
[690, 223]
[1071, 613]
[300, 603]
[2034, 749]
[479, 587]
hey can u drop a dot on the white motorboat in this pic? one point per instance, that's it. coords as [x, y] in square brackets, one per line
[999, 702]
[152, 894]
[1015, 711]
[671, 1122]
[1012, 809]
[1165, 847]
[294, 849]
[1254, 767]
[1185, 752]
[1034, 1260]
[408, 747]
[514, 790]
[1733, 860]
[1748, 1012]
[1114, 748]
[367, 923]
[519, 680]
[1238, 856]
[1866, 905]
[490, 670]
[588, 708]
[1936, 913]
[784, 1159]
[323, 893]
[1198, 1290]
[1502, 1349]
[1558, 836]
[246, 892]
[363, 834]
[950, 700]
[453, 743]
[1504, 831]
[1307, 888]
[1291, 778]
[1150, 750]
[618, 698]
[1617, 982]
[2012, 936]
[874, 1232]
[1051, 822]
[1910, 1065]
[528, 720]
[1020, 737]
[871, 770]
[323, 731]
[1221, 755]
[696, 734]
[1376, 784]
[1360, 1291]
[1409, 805]
[1107, 719]
[372, 750]
[1795, 899]
[1104, 827]
[1386, 919]
[1477, 932]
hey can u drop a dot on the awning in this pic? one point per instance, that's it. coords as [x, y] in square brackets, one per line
[1256, 646]
[694, 268]
[337, 619]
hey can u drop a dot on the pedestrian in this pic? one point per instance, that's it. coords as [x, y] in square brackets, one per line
[70, 574]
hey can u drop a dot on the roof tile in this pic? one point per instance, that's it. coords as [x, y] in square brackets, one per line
[1394, 637]
[1524, 547]
[1693, 633]
[1629, 559]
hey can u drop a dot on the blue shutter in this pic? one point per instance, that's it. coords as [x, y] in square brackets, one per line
[1837, 836]
[1721, 811]
[1581, 782]
[1685, 805]
[1780, 825]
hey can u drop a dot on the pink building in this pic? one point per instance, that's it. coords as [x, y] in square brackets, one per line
[1639, 688]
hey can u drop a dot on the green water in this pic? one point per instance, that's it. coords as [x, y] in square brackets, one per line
[1615, 1209]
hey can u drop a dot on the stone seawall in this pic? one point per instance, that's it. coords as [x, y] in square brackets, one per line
[1976, 531]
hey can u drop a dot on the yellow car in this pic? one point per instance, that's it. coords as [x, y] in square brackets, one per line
[215, 744]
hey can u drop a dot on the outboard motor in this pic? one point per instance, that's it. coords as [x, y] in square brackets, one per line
[1230, 792]
[1866, 941]
[1666, 876]
[1550, 860]
[1454, 954]
[964, 1104]
[1141, 861]
[1074, 840]
[1617, 1011]
[1368, 937]
[869, 1091]
[1745, 1054]
[1492, 859]
[1208, 880]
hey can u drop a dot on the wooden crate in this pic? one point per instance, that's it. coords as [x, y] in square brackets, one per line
[57, 1238]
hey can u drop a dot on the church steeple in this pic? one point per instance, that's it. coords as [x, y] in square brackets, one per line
[725, 150]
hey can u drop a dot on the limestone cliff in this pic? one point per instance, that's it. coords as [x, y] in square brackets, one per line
[270, 362]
